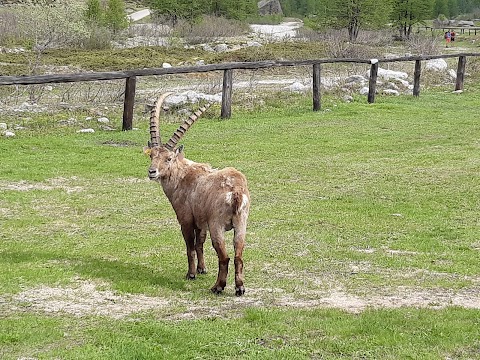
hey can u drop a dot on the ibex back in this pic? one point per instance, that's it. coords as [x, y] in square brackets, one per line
[203, 199]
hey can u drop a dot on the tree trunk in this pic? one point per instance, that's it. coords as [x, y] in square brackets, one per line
[353, 28]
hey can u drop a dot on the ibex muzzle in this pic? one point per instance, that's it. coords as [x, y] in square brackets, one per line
[203, 199]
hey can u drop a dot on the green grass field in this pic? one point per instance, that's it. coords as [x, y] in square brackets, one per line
[363, 238]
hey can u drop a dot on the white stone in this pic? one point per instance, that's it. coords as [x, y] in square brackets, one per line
[392, 86]
[297, 87]
[86, 131]
[436, 65]
[9, 133]
[107, 128]
[452, 73]
[355, 79]
[221, 47]
[175, 99]
[281, 31]
[364, 90]
[3, 126]
[166, 65]
[390, 92]
[138, 15]
[191, 97]
[103, 120]
[389, 74]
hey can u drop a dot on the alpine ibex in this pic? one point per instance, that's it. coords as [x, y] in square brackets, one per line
[203, 198]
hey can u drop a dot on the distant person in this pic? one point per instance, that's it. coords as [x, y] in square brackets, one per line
[448, 38]
[452, 35]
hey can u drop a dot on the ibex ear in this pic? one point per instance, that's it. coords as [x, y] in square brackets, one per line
[147, 150]
[179, 152]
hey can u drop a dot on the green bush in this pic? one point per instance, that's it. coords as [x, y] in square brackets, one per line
[210, 28]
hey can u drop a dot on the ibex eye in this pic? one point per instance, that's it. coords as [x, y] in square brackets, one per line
[169, 159]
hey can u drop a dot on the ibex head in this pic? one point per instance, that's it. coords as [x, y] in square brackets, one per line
[165, 156]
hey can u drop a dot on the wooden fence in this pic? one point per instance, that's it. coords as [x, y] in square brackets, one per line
[228, 68]
[459, 29]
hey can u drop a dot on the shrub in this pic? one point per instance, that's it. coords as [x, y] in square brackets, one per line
[41, 27]
[98, 38]
[9, 34]
[419, 44]
[210, 28]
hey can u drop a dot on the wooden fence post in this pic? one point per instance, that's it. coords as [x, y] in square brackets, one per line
[226, 112]
[462, 60]
[372, 84]
[130, 85]
[316, 88]
[416, 78]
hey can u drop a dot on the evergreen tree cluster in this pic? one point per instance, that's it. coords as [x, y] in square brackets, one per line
[350, 14]
[449, 8]
[108, 13]
[192, 10]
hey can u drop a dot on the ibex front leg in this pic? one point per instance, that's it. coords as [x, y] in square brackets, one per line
[218, 243]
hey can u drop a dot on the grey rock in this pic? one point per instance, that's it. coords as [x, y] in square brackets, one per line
[390, 92]
[221, 48]
[436, 65]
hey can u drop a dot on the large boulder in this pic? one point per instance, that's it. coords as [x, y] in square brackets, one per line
[444, 23]
[462, 23]
[441, 23]
[386, 74]
[436, 65]
[269, 7]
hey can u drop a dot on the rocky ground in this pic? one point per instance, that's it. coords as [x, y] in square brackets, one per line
[99, 98]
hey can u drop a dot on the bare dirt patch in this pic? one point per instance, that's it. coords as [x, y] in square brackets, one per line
[399, 297]
[86, 299]
[49, 185]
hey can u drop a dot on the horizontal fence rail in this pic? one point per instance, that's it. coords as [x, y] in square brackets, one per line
[460, 29]
[131, 75]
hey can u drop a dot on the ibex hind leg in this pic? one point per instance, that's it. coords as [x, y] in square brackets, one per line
[239, 244]
[218, 243]
[200, 236]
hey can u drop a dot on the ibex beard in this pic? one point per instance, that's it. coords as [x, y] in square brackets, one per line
[203, 199]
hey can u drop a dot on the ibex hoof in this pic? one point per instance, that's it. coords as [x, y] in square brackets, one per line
[190, 276]
[201, 271]
[239, 291]
[217, 289]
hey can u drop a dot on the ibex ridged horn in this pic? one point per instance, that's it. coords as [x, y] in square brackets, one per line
[154, 118]
[182, 129]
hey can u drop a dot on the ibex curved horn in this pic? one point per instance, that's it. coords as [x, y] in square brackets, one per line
[154, 116]
[182, 129]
